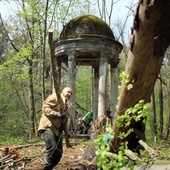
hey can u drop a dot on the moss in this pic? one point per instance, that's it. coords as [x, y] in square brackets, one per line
[87, 24]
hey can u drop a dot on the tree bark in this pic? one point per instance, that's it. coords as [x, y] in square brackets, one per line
[161, 123]
[31, 101]
[153, 116]
[57, 84]
[167, 129]
[149, 40]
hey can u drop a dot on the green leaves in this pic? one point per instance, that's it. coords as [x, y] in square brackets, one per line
[137, 113]
[16, 66]
[103, 160]
[126, 81]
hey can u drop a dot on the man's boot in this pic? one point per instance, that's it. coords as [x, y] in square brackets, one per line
[47, 167]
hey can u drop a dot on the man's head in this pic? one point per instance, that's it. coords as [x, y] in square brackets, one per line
[67, 92]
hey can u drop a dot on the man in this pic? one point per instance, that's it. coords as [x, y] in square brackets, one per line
[51, 126]
[85, 122]
[80, 127]
[87, 119]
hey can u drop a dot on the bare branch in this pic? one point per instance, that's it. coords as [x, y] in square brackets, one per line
[8, 34]
[98, 4]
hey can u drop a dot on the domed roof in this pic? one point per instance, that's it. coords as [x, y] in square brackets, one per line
[87, 24]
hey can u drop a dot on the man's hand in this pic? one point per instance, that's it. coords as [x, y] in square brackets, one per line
[62, 116]
[58, 114]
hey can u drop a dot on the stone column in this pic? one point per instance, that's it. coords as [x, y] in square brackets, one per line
[114, 88]
[71, 70]
[95, 92]
[102, 84]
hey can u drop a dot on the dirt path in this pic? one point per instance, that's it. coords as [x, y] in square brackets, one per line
[70, 159]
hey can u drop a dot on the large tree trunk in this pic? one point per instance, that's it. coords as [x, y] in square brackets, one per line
[161, 123]
[149, 41]
[167, 129]
[153, 116]
[31, 101]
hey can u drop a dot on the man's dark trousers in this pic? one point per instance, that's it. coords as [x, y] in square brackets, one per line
[54, 149]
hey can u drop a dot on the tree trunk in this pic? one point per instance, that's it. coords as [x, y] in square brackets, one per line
[31, 102]
[44, 51]
[149, 40]
[153, 107]
[161, 123]
[57, 84]
[168, 115]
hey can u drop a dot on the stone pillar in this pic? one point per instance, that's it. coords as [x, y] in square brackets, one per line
[102, 84]
[95, 92]
[114, 88]
[71, 70]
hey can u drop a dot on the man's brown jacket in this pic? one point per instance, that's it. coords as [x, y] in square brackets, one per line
[49, 119]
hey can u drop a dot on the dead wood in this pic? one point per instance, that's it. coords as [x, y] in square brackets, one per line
[80, 136]
[111, 155]
[150, 150]
[28, 145]
[12, 162]
[131, 155]
[56, 84]
[11, 158]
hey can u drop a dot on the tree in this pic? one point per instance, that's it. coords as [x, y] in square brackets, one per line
[166, 100]
[154, 126]
[28, 54]
[150, 37]
[3, 42]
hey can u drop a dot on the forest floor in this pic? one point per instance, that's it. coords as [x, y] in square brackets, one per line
[71, 159]
[74, 158]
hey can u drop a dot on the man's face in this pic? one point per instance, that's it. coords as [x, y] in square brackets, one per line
[67, 92]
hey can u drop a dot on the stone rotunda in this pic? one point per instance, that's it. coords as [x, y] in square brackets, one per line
[88, 41]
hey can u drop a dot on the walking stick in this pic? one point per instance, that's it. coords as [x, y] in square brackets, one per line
[56, 84]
